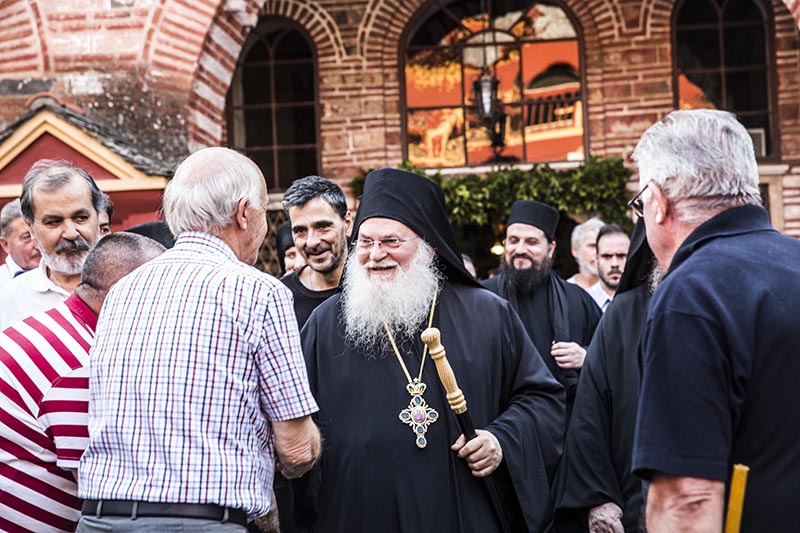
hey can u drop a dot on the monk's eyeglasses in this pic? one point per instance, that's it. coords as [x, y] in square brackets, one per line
[389, 244]
[637, 204]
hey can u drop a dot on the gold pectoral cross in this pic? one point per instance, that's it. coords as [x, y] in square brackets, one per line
[419, 415]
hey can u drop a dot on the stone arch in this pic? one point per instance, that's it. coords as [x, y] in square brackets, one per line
[25, 40]
[221, 48]
[379, 41]
[174, 39]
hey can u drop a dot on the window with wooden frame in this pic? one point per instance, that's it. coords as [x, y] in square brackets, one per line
[531, 50]
[723, 59]
[273, 102]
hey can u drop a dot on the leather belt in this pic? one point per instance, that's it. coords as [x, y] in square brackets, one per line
[100, 508]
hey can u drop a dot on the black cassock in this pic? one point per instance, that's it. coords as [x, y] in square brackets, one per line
[374, 478]
[596, 467]
[558, 311]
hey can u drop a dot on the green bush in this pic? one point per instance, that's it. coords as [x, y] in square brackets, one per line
[597, 187]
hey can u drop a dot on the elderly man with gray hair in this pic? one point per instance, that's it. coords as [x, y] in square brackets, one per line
[719, 344]
[198, 385]
[61, 204]
[584, 249]
[21, 251]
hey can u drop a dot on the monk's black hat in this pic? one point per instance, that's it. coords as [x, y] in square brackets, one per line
[639, 262]
[536, 214]
[418, 203]
[285, 241]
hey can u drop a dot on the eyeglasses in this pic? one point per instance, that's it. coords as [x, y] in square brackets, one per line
[636, 202]
[389, 244]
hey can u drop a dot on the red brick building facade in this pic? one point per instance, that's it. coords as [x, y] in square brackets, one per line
[159, 71]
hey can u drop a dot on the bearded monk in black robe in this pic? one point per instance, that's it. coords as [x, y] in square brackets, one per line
[395, 461]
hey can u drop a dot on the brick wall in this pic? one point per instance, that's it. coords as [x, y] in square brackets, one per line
[159, 70]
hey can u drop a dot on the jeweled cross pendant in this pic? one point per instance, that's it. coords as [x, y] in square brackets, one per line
[419, 415]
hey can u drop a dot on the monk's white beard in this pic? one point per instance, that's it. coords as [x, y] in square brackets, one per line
[403, 303]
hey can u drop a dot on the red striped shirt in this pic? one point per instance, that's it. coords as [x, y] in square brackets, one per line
[43, 417]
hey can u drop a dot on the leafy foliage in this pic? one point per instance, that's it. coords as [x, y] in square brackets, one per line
[596, 187]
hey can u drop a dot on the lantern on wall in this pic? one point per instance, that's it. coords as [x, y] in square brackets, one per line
[484, 91]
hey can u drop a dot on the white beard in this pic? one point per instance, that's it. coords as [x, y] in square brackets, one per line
[657, 273]
[403, 302]
[586, 266]
[70, 264]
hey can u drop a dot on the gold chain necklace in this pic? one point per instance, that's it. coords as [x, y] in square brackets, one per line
[418, 415]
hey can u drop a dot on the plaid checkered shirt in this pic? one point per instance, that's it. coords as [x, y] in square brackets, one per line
[195, 354]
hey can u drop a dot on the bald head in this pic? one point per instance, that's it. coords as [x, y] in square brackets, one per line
[207, 187]
[114, 257]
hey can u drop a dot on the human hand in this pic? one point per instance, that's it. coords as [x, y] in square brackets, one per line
[483, 453]
[568, 354]
[606, 518]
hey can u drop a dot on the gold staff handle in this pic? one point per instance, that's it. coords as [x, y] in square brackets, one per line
[433, 340]
[736, 498]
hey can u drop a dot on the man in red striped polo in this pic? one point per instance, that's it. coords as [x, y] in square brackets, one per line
[44, 393]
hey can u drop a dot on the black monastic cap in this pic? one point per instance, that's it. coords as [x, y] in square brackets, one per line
[418, 203]
[285, 241]
[157, 230]
[536, 214]
[639, 261]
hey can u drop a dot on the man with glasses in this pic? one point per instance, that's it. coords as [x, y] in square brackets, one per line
[394, 457]
[719, 345]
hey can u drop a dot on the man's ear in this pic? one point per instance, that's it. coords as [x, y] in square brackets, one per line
[551, 248]
[660, 204]
[348, 224]
[240, 217]
[4, 245]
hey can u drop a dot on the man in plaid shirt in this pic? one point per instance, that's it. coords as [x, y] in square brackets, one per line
[197, 384]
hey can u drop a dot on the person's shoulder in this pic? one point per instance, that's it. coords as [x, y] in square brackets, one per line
[481, 297]
[252, 274]
[326, 311]
[291, 280]
[19, 284]
[493, 284]
[575, 291]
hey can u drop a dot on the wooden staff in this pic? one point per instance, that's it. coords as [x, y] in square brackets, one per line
[455, 397]
[736, 498]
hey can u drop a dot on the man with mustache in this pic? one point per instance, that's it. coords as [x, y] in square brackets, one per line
[612, 251]
[560, 317]
[321, 224]
[44, 375]
[60, 203]
[395, 460]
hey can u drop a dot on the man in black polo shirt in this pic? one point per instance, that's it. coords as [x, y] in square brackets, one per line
[719, 345]
[321, 224]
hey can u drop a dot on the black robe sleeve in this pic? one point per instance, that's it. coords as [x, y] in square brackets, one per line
[530, 429]
[596, 467]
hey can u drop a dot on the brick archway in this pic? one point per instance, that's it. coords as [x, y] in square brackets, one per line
[220, 51]
[26, 52]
